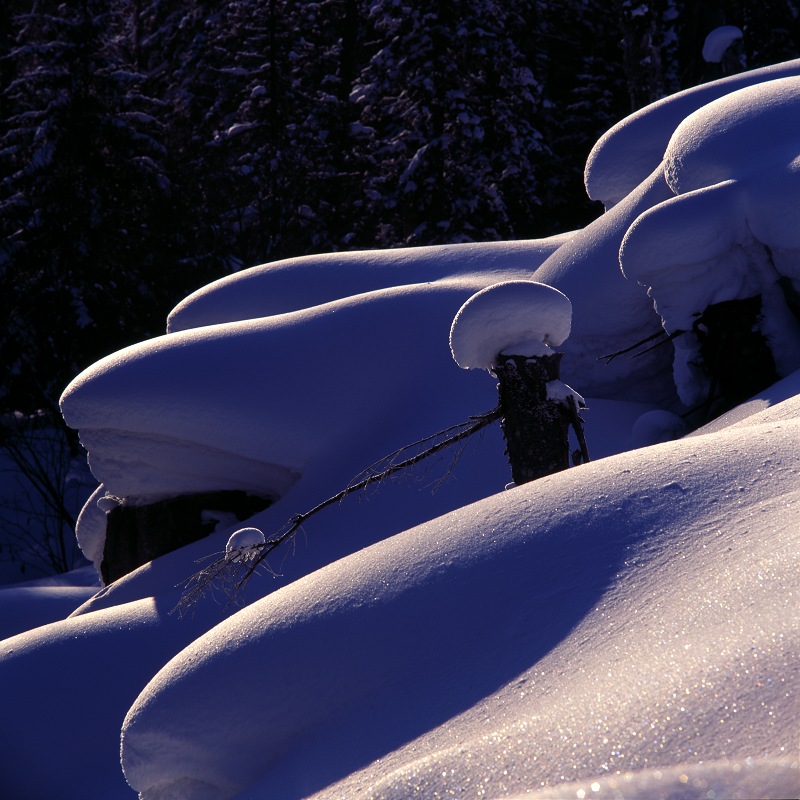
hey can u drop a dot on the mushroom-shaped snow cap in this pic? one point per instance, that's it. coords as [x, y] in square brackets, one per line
[514, 317]
[718, 41]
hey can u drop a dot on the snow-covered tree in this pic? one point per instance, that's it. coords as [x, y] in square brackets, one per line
[572, 46]
[648, 48]
[448, 110]
[83, 201]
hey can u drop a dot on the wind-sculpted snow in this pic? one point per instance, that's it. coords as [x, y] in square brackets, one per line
[38, 602]
[730, 230]
[626, 154]
[737, 137]
[610, 313]
[674, 572]
[298, 283]
[66, 687]
[248, 405]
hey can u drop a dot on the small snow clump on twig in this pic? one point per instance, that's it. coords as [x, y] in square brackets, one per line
[243, 544]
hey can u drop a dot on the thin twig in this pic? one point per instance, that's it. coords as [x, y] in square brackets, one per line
[670, 337]
[667, 337]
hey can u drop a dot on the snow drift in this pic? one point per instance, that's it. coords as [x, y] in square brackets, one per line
[622, 628]
[675, 639]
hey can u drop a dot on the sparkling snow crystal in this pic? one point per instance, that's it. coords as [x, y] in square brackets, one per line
[514, 317]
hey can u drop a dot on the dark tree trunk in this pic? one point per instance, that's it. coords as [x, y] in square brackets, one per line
[536, 428]
[138, 534]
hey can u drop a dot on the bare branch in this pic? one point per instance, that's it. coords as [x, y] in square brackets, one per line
[39, 508]
[230, 572]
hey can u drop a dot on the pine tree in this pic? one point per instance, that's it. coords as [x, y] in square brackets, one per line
[287, 147]
[648, 45]
[573, 47]
[449, 108]
[83, 201]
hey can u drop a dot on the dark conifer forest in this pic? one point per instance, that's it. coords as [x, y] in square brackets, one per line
[148, 147]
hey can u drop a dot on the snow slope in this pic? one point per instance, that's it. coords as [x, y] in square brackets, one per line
[676, 639]
[625, 628]
[30, 604]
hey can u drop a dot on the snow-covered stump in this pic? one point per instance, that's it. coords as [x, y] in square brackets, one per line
[507, 329]
[535, 426]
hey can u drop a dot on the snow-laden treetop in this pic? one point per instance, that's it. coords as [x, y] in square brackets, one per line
[718, 41]
[514, 317]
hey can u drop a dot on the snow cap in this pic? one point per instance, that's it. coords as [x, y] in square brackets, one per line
[730, 230]
[513, 317]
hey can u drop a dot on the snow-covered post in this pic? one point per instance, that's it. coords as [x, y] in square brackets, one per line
[508, 329]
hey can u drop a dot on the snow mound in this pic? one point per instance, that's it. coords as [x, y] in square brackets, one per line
[609, 313]
[66, 687]
[626, 154]
[514, 318]
[248, 405]
[734, 137]
[34, 603]
[296, 283]
[601, 602]
[729, 232]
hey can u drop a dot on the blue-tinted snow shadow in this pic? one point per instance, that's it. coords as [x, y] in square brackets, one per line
[66, 689]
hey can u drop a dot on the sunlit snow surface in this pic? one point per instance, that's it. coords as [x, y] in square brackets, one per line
[627, 628]
[638, 612]
[626, 154]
